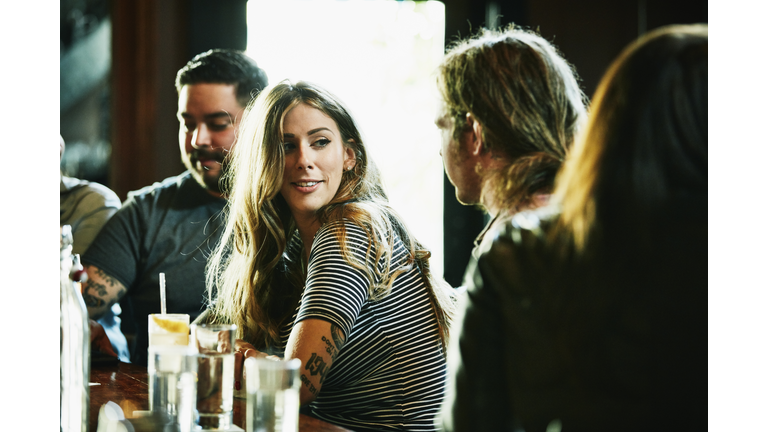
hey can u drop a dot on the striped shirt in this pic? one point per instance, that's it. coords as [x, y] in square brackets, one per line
[390, 373]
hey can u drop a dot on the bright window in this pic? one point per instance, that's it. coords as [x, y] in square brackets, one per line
[380, 58]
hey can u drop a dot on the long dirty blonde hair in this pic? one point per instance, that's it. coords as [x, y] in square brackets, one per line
[251, 282]
[645, 144]
[527, 99]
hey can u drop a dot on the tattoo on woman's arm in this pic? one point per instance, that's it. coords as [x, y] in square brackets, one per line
[338, 336]
[338, 341]
[308, 384]
[330, 348]
[317, 365]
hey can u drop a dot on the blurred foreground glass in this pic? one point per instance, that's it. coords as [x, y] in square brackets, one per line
[173, 386]
[273, 395]
[75, 355]
[215, 344]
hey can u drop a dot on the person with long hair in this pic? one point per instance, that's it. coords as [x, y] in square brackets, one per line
[314, 264]
[598, 302]
[510, 108]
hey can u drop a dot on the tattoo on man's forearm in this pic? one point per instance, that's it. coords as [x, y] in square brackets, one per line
[99, 289]
[92, 301]
[93, 293]
[317, 365]
[308, 384]
[107, 278]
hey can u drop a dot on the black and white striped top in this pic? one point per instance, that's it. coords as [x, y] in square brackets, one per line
[390, 373]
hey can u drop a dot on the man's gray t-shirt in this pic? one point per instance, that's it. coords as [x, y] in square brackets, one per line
[170, 227]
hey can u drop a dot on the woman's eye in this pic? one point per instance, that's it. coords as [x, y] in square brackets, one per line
[322, 142]
[217, 127]
[287, 147]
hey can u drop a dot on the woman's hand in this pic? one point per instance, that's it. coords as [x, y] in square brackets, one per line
[244, 350]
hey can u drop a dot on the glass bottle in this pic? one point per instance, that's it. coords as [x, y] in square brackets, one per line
[75, 341]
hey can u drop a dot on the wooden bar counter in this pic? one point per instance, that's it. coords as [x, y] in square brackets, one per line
[128, 386]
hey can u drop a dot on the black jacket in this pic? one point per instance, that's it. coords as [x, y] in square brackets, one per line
[610, 340]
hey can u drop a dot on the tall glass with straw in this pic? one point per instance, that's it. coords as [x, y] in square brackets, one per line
[165, 329]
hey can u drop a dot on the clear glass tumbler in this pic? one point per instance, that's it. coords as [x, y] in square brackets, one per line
[173, 386]
[273, 395]
[165, 330]
[215, 344]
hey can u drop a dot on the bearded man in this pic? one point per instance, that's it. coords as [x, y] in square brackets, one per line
[171, 226]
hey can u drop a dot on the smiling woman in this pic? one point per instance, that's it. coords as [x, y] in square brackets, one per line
[315, 264]
[315, 160]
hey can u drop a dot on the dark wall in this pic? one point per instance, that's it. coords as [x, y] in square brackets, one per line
[591, 33]
[151, 42]
[216, 24]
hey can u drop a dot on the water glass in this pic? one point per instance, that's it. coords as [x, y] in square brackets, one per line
[215, 344]
[165, 330]
[273, 395]
[173, 386]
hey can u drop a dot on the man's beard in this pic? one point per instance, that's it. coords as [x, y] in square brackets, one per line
[215, 184]
[209, 182]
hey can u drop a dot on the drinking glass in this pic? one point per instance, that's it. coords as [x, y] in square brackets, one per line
[215, 344]
[168, 329]
[165, 330]
[173, 384]
[273, 395]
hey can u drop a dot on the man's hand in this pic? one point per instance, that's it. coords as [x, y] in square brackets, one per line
[99, 339]
[100, 292]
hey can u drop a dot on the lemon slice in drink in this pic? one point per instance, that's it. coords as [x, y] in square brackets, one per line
[171, 326]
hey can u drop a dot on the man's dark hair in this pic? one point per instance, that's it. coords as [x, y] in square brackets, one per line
[221, 66]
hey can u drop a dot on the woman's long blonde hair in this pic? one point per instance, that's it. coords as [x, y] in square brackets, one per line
[645, 144]
[250, 283]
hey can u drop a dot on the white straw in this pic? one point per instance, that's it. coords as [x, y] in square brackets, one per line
[162, 293]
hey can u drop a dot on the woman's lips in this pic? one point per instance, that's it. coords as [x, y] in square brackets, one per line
[306, 186]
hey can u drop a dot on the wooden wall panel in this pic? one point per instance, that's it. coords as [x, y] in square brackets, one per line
[147, 50]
